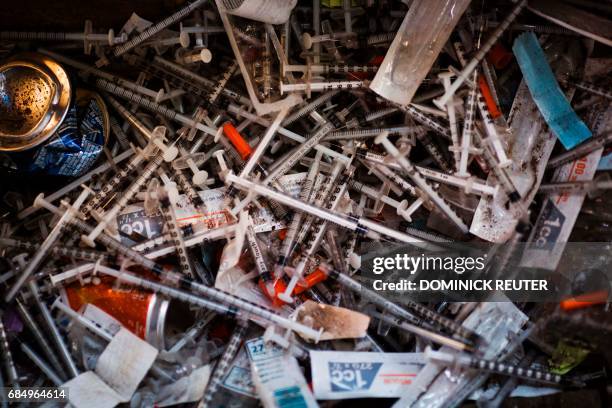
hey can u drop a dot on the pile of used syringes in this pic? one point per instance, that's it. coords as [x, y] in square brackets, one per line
[259, 151]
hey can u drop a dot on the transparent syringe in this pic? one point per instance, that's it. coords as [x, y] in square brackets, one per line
[293, 228]
[468, 129]
[111, 186]
[373, 132]
[168, 154]
[320, 86]
[265, 275]
[147, 261]
[420, 182]
[40, 338]
[501, 173]
[224, 362]
[228, 304]
[575, 187]
[434, 151]
[7, 356]
[359, 224]
[401, 208]
[53, 330]
[589, 87]
[267, 138]
[526, 373]
[316, 236]
[189, 77]
[76, 183]
[57, 250]
[319, 197]
[185, 80]
[309, 107]
[167, 202]
[425, 120]
[86, 70]
[207, 236]
[452, 120]
[88, 37]
[152, 106]
[198, 179]
[237, 110]
[220, 85]
[329, 69]
[493, 136]
[104, 239]
[480, 55]
[413, 308]
[303, 149]
[99, 331]
[470, 185]
[581, 150]
[40, 363]
[45, 247]
[419, 331]
[385, 169]
[152, 30]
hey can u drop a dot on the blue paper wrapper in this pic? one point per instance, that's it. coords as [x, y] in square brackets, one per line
[74, 147]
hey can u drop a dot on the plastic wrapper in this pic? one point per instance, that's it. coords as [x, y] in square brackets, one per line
[435, 385]
[252, 49]
[277, 376]
[76, 145]
[265, 11]
[529, 151]
[424, 31]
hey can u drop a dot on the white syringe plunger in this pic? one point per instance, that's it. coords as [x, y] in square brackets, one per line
[169, 152]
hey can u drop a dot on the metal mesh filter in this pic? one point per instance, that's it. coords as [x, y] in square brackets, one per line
[25, 96]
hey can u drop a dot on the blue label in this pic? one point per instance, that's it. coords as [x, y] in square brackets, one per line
[352, 376]
[548, 227]
[290, 397]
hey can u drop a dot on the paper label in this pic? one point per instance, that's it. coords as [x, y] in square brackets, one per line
[341, 375]
[87, 390]
[134, 222]
[214, 215]
[125, 362]
[266, 11]
[101, 318]
[119, 370]
[558, 216]
[278, 377]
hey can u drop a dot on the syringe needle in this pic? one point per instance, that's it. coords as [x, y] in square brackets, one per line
[421, 183]
[45, 247]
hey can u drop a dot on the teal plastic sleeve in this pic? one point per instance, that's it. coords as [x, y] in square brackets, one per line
[547, 93]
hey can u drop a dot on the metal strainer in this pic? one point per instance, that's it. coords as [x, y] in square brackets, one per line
[34, 99]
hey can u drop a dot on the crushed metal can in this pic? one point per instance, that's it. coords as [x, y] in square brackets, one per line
[43, 126]
[147, 315]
